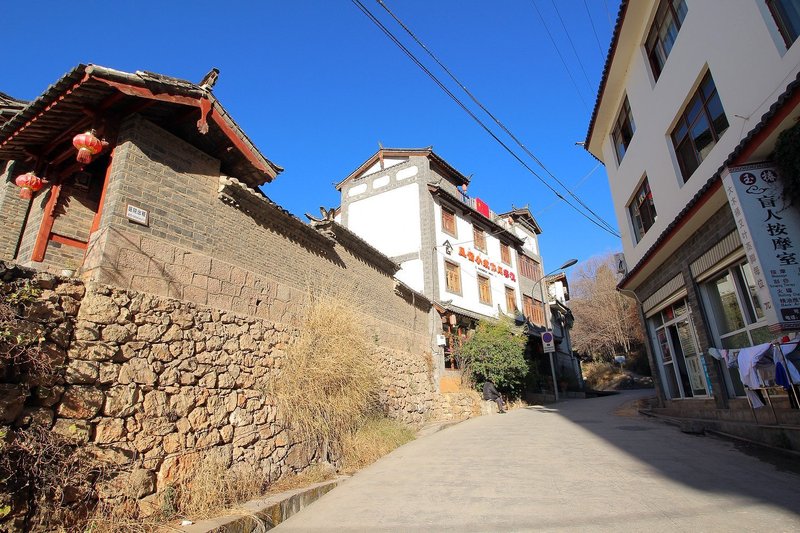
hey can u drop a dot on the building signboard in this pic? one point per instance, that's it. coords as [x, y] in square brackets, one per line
[495, 269]
[770, 235]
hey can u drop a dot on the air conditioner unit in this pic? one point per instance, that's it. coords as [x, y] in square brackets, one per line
[622, 266]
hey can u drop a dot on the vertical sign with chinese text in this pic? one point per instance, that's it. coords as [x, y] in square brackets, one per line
[770, 235]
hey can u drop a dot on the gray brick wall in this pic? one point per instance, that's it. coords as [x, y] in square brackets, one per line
[12, 210]
[200, 249]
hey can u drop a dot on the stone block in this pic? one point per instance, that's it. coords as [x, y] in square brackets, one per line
[99, 309]
[198, 263]
[12, 400]
[195, 294]
[78, 431]
[152, 285]
[81, 402]
[82, 372]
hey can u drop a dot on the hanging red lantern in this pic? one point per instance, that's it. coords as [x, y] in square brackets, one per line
[28, 184]
[88, 146]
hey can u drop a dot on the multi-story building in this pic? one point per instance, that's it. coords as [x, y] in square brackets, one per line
[691, 91]
[474, 264]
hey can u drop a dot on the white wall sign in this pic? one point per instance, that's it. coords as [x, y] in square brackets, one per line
[137, 215]
[770, 234]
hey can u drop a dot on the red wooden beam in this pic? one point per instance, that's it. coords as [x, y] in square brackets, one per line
[69, 241]
[46, 226]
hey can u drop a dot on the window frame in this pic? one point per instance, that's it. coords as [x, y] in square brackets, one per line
[781, 23]
[505, 253]
[624, 121]
[488, 286]
[655, 30]
[445, 229]
[639, 230]
[447, 278]
[476, 231]
[682, 122]
[511, 297]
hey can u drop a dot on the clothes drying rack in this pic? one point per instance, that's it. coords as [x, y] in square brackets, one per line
[777, 356]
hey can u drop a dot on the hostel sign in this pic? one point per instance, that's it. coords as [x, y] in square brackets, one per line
[770, 235]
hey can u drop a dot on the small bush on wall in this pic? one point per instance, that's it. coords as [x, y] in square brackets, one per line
[787, 160]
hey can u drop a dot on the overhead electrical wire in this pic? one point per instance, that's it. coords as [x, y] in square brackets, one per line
[502, 126]
[572, 45]
[558, 51]
[594, 30]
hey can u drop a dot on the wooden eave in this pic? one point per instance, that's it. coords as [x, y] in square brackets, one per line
[455, 203]
[91, 96]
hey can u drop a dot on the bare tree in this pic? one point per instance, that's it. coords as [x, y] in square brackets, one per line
[606, 321]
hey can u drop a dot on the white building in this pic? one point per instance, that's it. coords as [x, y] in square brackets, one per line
[412, 205]
[693, 89]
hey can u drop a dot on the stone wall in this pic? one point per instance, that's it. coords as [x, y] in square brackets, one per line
[156, 382]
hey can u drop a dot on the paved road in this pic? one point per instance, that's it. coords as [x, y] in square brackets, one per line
[573, 466]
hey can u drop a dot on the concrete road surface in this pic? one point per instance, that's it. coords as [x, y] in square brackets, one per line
[571, 466]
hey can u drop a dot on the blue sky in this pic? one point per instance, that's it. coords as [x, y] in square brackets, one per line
[316, 86]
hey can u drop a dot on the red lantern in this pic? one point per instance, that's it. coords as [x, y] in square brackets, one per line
[28, 184]
[88, 146]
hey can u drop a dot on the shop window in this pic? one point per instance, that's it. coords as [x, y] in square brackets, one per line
[452, 277]
[663, 33]
[449, 222]
[623, 130]
[787, 16]
[505, 253]
[681, 364]
[480, 239]
[700, 126]
[511, 300]
[484, 290]
[737, 316]
[642, 210]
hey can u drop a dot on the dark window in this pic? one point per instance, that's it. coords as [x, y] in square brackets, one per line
[623, 130]
[699, 127]
[452, 277]
[663, 33]
[787, 16]
[642, 210]
[480, 239]
[505, 253]
[484, 290]
[449, 222]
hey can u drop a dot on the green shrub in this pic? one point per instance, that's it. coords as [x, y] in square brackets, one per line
[497, 351]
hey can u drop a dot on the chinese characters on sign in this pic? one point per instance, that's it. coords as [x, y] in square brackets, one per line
[770, 235]
[137, 215]
[494, 268]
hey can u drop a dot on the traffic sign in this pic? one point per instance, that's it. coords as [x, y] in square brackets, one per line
[548, 342]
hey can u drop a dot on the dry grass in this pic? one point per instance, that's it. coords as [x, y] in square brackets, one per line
[329, 381]
[316, 473]
[215, 485]
[373, 440]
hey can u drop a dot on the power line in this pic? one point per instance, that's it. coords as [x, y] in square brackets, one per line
[558, 51]
[606, 227]
[594, 30]
[495, 119]
[608, 14]
[572, 45]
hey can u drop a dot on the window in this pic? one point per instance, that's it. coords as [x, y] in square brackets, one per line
[663, 33]
[642, 210]
[787, 16]
[623, 130]
[511, 300]
[736, 314]
[452, 277]
[484, 290]
[533, 310]
[505, 253]
[528, 267]
[480, 239]
[449, 222]
[699, 127]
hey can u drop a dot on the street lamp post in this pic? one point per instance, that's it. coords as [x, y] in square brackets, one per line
[541, 280]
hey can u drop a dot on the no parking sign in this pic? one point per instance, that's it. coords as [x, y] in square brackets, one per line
[548, 342]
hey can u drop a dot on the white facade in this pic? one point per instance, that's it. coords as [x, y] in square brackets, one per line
[737, 41]
[463, 243]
